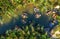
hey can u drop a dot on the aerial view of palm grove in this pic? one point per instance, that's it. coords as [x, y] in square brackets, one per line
[29, 19]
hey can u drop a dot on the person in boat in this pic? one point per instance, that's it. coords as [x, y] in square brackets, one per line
[51, 20]
[21, 21]
[36, 18]
[24, 18]
[54, 21]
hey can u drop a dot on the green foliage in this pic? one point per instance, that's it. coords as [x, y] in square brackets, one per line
[13, 8]
[26, 33]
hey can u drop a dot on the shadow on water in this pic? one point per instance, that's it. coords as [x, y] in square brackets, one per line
[7, 26]
[43, 21]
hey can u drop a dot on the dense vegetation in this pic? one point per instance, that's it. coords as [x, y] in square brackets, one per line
[29, 32]
[33, 17]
